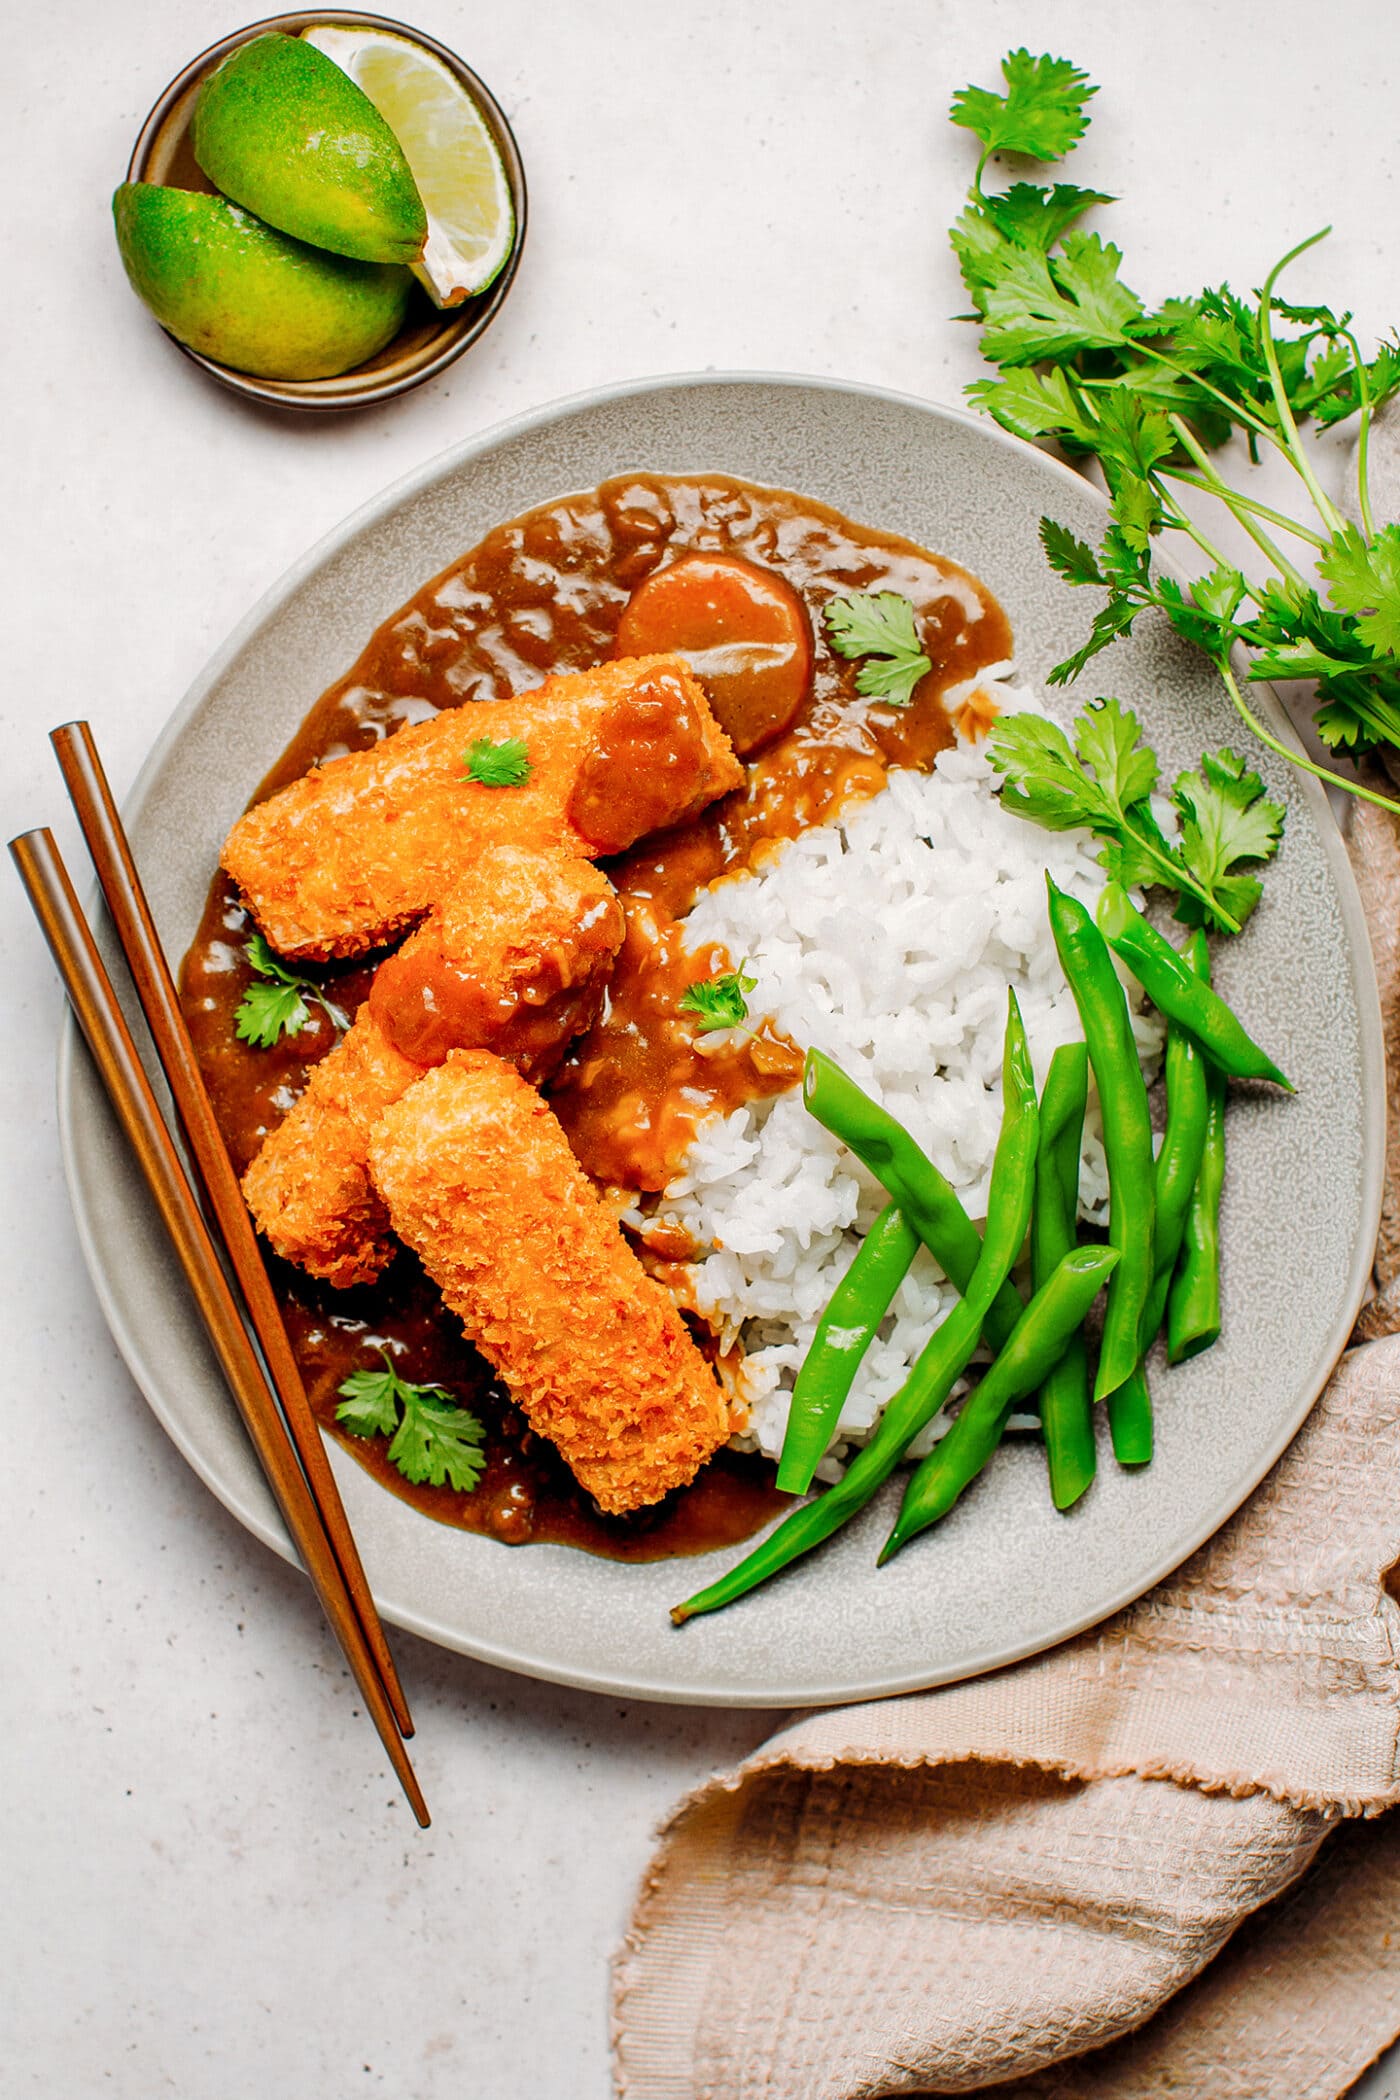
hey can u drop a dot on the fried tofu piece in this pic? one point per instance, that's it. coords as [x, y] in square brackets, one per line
[308, 1188]
[480, 1182]
[515, 958]
[355, 853]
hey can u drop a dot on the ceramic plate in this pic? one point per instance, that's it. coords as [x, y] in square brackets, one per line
[1005, 1576]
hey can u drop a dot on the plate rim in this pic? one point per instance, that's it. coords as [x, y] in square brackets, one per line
[425, 1625]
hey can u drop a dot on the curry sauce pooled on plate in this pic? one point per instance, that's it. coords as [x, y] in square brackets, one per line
[658, 705]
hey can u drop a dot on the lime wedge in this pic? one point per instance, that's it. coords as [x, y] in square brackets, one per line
[448, 146]
[251, 297]
[280, 129]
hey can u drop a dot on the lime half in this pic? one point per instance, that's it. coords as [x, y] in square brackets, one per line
[448, 146]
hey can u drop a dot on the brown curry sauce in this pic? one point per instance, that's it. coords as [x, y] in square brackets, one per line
[542, 594]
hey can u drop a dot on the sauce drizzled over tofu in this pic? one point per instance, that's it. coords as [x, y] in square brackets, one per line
[548, 592]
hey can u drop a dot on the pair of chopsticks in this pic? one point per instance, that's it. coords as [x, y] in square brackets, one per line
[266, 1387]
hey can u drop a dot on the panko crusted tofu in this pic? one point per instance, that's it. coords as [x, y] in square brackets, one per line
[479, 1181]
[308, 1190]
[515, 959]
[354, 854]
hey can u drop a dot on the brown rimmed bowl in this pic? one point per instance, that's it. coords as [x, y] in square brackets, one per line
[431, 338]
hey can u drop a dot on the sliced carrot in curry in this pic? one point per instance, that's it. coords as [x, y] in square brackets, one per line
[743, 630]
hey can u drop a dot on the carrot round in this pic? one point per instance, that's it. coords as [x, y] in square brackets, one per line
[744, 631]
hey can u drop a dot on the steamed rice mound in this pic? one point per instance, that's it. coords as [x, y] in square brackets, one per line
[888, 939]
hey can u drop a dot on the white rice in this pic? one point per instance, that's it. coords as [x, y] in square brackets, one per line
[887, 939]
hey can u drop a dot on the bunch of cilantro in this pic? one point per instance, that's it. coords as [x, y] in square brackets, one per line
[1151, 395]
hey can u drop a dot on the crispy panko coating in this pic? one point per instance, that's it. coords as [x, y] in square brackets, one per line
[515, 958]
[480, 1182]
[308, 1188]
[349, 857]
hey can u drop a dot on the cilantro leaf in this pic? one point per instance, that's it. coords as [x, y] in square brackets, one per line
[1108, 737]
[1124, 572]
[879, 625]
[1037, 404]
[438, 1443]
[278, 1006]
[267, 1012]
[1344, 399]
[719, 1002]
[1041, 114]
[1132, 437]
[1365, 579]
[1226, 820]
[1207, 617]
[1069, 557]
[371, 1403]
[1036, 218]
[1037, 307]
[433, 1441]
[1103, 781]
[498, 765]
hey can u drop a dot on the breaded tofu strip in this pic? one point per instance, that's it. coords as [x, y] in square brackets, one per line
[517, 958]
[480, 1182]
[356, 852]
[308, 1189]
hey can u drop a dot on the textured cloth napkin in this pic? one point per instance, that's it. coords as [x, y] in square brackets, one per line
[1022, 1885]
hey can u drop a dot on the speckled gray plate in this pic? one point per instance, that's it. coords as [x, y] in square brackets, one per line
[1004, 1576]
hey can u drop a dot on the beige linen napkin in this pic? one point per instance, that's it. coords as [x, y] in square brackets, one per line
[956, 1891]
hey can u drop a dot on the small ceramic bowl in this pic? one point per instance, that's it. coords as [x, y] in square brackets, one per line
[430, 338]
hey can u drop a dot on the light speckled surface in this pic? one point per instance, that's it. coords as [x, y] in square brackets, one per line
[1005, 1574]
[215, 1891]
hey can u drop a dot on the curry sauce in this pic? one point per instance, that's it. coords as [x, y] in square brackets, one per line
[541, 594]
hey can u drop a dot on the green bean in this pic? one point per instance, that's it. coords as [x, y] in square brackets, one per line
[941, 1361]
[1173, 987]
[1193, 1299]
[1130, 1418]
[1188, 1076]
[927, 1200]
[1178, 1163]
[1055, 1313]
[1127, 1130]
[844, 1333]
[1066, 1412]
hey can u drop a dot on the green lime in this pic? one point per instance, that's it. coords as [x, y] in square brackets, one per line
[234, 289]
[281, 129]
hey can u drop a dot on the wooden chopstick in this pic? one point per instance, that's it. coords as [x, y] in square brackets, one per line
[155, 988]
[104, 1027]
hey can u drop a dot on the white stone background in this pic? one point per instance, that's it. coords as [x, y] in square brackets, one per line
[213, 1888]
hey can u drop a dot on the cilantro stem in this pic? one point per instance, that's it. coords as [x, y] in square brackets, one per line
[1363, 435]
[1238, 505]
[1297, 758]
[1184, 523]
[1261, 539]
[1329, 516]
[1213, 486]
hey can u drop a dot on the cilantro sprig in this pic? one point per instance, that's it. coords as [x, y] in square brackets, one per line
[278, 1005]
[719, 1002]
[433, 1441]
[1151, 394]
[503, 764]
[880, 626]
[1041, 114]
[1104, 779]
